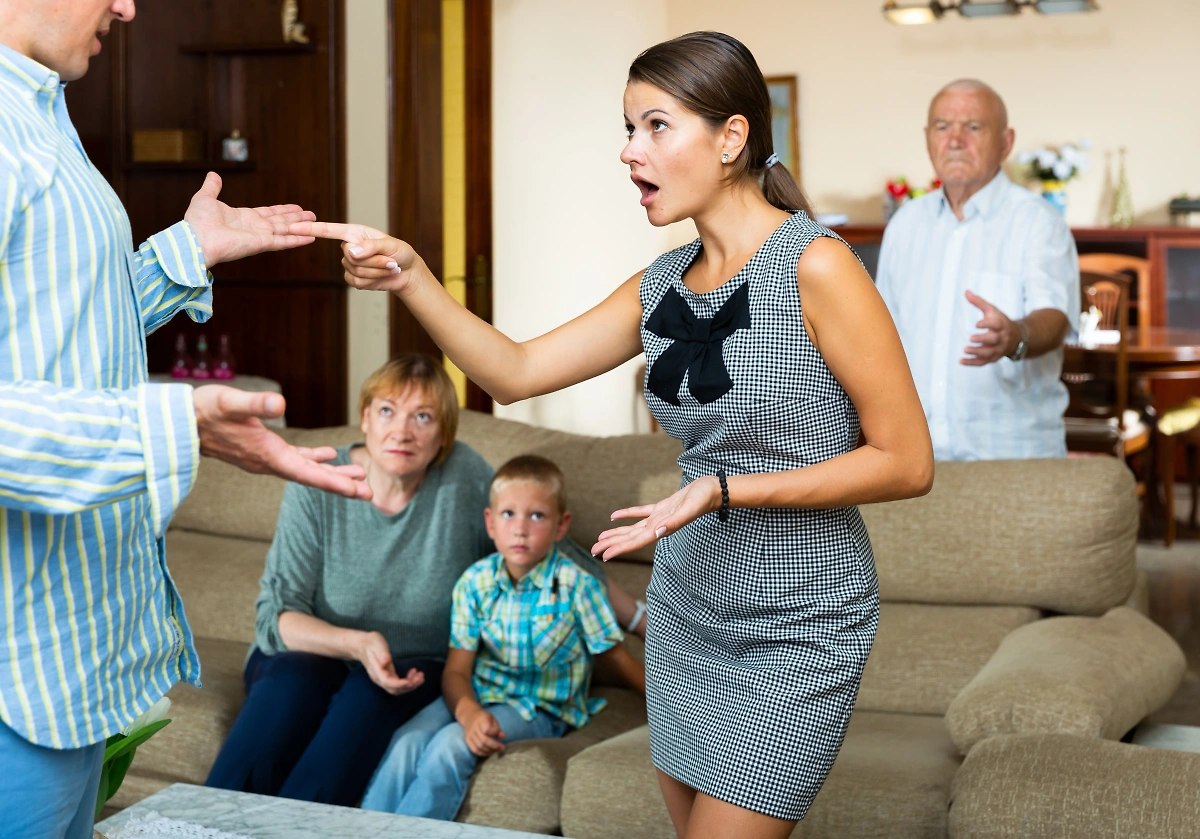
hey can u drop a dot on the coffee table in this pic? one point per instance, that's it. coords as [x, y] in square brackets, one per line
[264, 817]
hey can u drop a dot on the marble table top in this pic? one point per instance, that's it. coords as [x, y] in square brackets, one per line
[264, 817]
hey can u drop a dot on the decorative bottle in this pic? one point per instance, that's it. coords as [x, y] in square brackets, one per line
[181, 367]
[223, 368]
[203, 367]
[1122, 210]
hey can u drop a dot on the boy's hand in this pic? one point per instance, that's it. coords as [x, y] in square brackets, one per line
[484, 737]
[376, 658]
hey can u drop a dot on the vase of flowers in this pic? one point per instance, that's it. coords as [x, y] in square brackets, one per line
[897, 191]
[1053, 167]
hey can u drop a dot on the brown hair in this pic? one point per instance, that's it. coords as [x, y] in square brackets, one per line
[417, 370]
[715, 77]
[536, 470]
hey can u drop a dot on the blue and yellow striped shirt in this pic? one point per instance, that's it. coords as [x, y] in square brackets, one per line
[534, 639]
[93, 460]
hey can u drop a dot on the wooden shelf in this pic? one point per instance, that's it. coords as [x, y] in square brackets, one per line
[246, 49]
[191, 166]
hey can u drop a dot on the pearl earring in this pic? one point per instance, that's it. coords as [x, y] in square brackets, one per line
[725, 157]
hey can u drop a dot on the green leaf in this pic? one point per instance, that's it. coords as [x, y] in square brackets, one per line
[133, 740]
[117, 770]
[102, 793]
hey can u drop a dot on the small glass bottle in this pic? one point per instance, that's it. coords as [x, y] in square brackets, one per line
[203, 366]
[181, 367]
[1122, 211]
[223, 368]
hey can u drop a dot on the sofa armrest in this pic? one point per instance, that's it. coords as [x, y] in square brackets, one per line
[1060, 786]
[1094, 677]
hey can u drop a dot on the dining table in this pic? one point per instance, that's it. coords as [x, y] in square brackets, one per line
[1156, 353]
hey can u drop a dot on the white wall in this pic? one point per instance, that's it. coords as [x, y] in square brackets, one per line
[366, 179]
[567, 227]
[1125, 75]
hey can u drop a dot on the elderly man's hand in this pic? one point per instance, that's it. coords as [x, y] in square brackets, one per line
[229, 233]
[999, 338]
[228, 422]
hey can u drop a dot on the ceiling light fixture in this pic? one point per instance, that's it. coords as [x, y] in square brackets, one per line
[1064, 7]
[910, 14]
[917, 13]
[969, 9]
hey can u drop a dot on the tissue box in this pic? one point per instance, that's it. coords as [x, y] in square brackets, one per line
[173, 145]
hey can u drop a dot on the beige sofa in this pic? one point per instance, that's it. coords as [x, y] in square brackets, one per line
[967, 662]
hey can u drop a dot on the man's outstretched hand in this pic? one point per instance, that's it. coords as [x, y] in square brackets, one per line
[228, 233]
[229, 422]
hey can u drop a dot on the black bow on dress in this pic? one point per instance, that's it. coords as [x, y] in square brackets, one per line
[697, 347]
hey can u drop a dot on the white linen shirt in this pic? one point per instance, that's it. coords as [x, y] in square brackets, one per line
[1014, 250]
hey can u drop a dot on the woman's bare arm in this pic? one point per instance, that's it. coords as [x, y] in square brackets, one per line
[593, 343]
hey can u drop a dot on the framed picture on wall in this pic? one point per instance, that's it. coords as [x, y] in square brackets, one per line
[785, 121]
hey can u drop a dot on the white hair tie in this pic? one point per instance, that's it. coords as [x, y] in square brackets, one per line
[771, 161]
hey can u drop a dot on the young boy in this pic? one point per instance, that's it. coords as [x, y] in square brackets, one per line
[525, 624]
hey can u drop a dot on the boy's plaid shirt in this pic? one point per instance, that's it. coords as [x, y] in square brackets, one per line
[534, 640]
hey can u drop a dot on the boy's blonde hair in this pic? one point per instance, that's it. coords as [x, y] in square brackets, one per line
[534, 469]
[414, 369]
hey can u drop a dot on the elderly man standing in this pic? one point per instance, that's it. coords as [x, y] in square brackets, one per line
[93, 458]
[982, 279]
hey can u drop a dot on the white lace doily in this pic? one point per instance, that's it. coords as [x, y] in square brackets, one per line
[154, 826]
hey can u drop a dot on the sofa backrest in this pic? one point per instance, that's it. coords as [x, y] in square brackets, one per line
[1057, 535]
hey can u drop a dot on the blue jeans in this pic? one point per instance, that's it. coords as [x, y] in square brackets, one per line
[428, 766]
[47, 793]
[313, 728]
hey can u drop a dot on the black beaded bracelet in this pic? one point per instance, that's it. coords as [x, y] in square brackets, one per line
[723, 513]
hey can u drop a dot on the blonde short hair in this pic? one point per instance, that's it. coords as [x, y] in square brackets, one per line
[533, 469]
[417, 370]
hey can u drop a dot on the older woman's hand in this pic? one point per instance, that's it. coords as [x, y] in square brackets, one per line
[376, 658]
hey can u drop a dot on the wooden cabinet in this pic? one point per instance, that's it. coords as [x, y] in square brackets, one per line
[214, 66]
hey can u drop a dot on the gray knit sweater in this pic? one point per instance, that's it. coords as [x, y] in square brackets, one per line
[345, 562]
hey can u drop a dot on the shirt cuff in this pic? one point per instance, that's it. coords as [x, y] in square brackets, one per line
[179, 253]
[170, 445]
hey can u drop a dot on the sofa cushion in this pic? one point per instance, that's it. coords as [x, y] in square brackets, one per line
[1055, 534]
[924, 654]
[217, 578]
[891, 779]
[521, 789]
[1060, 786]
[1094, 677]
[184, 751]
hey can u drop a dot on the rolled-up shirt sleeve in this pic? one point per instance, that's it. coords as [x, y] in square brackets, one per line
[170, 274]
[1052, 268]
[293, 566]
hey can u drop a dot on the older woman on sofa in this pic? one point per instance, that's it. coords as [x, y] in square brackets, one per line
[354, 609]
[353, 612]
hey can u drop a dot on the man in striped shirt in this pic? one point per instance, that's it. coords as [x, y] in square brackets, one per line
[982, 280]
[93, 459]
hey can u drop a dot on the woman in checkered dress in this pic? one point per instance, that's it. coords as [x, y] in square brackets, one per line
[763, 601]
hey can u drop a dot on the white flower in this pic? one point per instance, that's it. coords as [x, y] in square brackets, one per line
[1026, 157]
[1062, 170]
[157, 711]
[1085, 144]
[1046, 158]
[1070, 154]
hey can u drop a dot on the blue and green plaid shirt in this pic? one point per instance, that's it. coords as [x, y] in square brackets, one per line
[534, 640]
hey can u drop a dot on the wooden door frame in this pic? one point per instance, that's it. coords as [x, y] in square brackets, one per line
[415, 160]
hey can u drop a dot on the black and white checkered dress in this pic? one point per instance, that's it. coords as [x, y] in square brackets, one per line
[759, 627]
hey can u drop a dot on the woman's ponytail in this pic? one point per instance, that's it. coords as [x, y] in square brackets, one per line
[782, 191]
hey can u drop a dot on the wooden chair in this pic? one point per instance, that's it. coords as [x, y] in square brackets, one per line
[1118, 263]
[1098, 418]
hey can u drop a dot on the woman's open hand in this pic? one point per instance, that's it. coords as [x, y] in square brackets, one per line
[372, 259]
[376, 658]
[657, 520]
